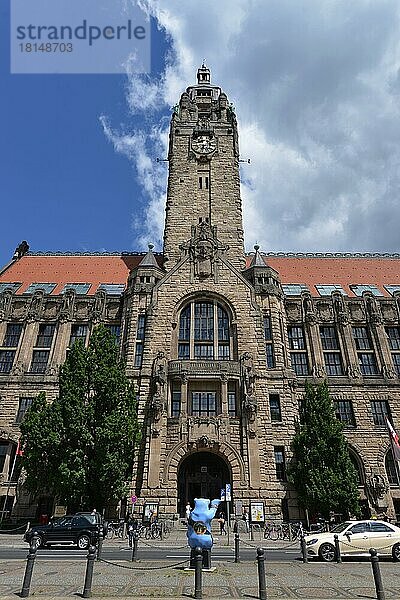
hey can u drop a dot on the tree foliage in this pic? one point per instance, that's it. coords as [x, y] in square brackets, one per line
[321, 469]
[80, 447]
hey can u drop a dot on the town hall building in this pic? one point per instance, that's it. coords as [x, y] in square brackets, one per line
[218, 341]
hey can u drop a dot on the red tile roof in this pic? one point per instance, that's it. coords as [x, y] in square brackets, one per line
[61, 269]
[344, 270]
[114, 268]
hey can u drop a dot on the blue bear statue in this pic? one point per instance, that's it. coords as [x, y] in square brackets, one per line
[199, 523]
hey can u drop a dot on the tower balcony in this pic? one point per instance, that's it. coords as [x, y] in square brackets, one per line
[204, 368]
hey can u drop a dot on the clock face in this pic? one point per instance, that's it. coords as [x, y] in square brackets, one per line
[203, 144]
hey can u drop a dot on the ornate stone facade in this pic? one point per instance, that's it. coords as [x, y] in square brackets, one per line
[219, 343]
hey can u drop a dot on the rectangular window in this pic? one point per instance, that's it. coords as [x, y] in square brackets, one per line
[333, 364]
[269, 346]
[344, 412]
[79, 288]
[204, 351]
[280, 468]
[24, 404]
[223, 352]
[393, 334]
[396, 362]
[6, 360]
[183, 351]
[333, 360]
[296, 338]
[294, 289]
[329, 339]
[12, 336]
[203, 321]
[34, 287]
[361, 338]
[232, 403]
[299, 363]
[204, 404]
[275, 408]
[391, 470]
[326, 290]
[367, 363]
[39, 362]
[45, 336]
[176, 401]
[380, 411]
[113, 289]
[78, 332]
[140, 333]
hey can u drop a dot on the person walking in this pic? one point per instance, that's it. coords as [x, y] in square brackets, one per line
[221, 521]
[188, 510]
[246, 519]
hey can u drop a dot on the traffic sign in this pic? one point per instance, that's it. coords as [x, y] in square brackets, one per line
[222, 494]
[134, 499]
[228, 494]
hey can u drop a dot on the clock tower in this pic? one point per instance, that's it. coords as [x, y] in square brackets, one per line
[203, 183]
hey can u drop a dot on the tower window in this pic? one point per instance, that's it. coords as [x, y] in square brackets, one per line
[280, 466]
[204, 332]
[141, 325]
[275, 408]
[269, 346]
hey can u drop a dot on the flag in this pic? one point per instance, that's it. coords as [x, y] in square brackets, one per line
[394, 439]
[19, 451]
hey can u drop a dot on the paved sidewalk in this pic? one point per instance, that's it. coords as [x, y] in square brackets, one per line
[290, 580]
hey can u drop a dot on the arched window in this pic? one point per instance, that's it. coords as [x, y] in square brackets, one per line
[204, 332]
[358, 467]
[391, 471]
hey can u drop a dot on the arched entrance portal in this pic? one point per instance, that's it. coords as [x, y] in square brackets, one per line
[201, 475]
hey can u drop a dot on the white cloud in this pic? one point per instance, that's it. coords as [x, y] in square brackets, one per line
[316, 85]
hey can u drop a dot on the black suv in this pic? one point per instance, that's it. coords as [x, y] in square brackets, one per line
[80, 529]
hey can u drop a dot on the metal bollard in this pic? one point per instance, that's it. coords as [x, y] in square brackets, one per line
[337, 548]
[87, 590]
[100, 544]
[262, 587]
[135, 540]
[303, 549]
[376, 571]
[251, 532]
[198, 564]
[237, 541]
[30, 561]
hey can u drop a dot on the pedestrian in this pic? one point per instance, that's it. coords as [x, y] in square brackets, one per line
[188, 510]
[246, 519]
[221, 521]
[132, 528]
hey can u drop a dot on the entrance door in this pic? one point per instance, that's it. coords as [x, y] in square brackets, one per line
[201, 475]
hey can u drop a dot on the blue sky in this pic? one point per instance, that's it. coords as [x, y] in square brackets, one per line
[63, 187]
[316, 86]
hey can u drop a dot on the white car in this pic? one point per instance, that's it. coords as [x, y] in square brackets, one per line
[355, 537]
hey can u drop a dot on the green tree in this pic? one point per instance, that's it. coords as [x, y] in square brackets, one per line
[321, 469]
[80, 447]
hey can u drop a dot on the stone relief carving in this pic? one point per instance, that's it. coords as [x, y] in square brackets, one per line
[388, 372]
[203, 442]
[318, 371]
[67, 307]
[357, 312]
[372, 309]
[98, 307]
[388, 311]
[157, 405]
[377, 488]
[36, 306]
[324, 310]
[5, 304]
[293, 311]
[310, 315]
[353, 371]
[339, 307]
[50, 309]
